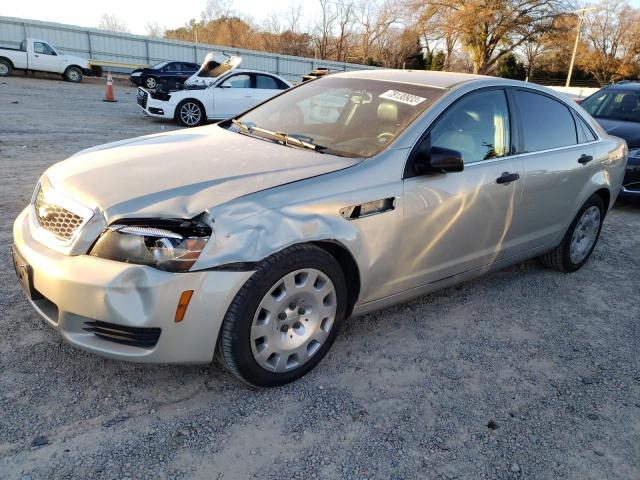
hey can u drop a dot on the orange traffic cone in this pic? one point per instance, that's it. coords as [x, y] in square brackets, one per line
[108, 97]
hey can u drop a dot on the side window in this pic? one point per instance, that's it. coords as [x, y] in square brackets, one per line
[585, 135]
[186, 67]
[172, 67]
[266, 82]
[42, 48]
[477, 126]
[237, 81]
[546, 123]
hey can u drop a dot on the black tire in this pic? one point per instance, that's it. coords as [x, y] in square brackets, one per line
[234, 348]
[150, 83]
[5, 67]
[182, 118]
[73, 74]
[560, 257]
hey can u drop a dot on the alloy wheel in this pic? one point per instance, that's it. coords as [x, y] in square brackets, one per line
[190, 114]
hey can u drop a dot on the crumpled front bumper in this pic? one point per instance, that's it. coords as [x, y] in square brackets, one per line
[78, 291]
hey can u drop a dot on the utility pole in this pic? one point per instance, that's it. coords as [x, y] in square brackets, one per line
[581, 14]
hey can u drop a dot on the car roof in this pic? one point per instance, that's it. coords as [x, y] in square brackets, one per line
[429, 78]
[627, 86]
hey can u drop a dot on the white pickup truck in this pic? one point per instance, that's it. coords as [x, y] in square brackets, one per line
[38, 55]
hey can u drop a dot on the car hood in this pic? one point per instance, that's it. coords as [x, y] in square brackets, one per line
[180, 174]
[629, 131]
[213, 66]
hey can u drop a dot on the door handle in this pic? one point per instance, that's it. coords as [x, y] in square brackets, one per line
[584, 159]
[507, 177]
[248, 96]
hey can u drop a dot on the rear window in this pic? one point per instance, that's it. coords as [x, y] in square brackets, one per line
[546, 123]
[266, 82]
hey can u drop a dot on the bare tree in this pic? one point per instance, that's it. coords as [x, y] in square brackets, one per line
[612, 49]
[217, 9]
[323, 30]
[292, 17]
[109, 21]
[374, 21]
[345, 19]
[154, 29]
[489, 29]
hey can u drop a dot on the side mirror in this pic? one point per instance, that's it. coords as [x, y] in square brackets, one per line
[430, 159]
[445, 160]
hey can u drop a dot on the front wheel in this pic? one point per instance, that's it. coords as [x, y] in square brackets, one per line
[580, 239]
[5, 68]
[285, 318]
[150, 83]
[73, 74]
[190, 113]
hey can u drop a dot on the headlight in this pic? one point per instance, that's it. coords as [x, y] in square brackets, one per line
[136, 74]
[171, 245]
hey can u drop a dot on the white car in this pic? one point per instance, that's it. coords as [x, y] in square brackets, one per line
[214, 98]
[39, 55]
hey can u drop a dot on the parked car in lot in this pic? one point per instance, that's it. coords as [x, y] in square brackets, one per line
[228, 95]
[617, 109]
[169, 75]
[257, 236]
[39, 55]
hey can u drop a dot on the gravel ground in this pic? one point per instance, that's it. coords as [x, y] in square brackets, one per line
[525, 373]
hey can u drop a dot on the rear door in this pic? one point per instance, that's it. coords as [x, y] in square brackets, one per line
[232, 95]
[557, 165]
[266, 86]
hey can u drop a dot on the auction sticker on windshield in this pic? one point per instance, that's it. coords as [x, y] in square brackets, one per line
[402, 97]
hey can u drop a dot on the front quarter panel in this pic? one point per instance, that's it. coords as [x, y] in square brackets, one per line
[258, 225]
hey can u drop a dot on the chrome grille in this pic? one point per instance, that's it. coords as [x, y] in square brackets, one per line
[57, 220]
[143, 96]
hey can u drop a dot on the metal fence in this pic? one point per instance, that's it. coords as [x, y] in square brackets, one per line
[126, 48]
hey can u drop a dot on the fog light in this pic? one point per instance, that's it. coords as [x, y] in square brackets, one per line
[185, 298]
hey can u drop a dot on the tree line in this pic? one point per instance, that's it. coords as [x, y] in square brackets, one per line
[514, 38]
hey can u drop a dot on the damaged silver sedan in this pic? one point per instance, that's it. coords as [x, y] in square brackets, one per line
[257, 237]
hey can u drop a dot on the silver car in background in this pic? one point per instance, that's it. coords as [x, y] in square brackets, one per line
[255, 238]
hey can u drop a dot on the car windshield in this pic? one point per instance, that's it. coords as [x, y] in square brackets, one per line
[347, 116]
[158, 66]
[615, 105]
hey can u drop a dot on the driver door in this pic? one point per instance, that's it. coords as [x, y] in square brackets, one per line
[232, 95]
[45, 58]
[458, 221]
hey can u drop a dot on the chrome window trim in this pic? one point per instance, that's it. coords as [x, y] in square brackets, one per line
[526, 154]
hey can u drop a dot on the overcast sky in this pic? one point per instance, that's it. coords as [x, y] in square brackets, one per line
[136, 14]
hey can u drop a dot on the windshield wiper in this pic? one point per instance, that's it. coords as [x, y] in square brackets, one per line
[281, 137]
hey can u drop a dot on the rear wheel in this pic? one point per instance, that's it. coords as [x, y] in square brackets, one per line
[150, 82]
[5, 68]
[190, 113]
[285, 318]
[580, 239]
[73, 74]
